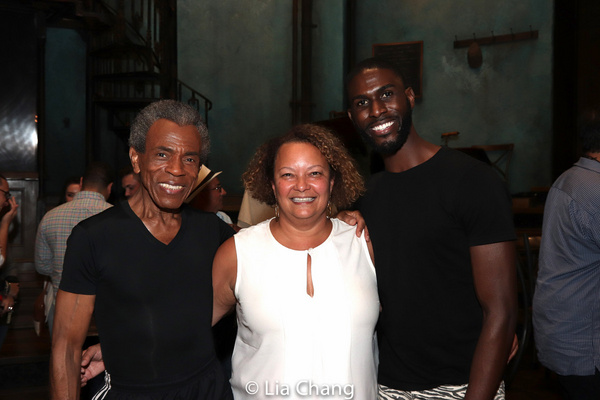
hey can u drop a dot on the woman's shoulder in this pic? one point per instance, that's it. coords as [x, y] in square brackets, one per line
[254, 231]
[342, 229]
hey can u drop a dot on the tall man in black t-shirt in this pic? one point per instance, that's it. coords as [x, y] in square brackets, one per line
[443, 236]
[144, 267]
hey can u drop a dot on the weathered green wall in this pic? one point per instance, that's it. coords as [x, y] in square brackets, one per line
[507, 100]
[238, 53]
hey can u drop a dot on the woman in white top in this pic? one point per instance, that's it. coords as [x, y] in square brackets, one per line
[303, 284]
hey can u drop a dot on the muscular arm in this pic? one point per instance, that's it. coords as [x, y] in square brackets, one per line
[71, 321]
[224, 276]
[495, 285]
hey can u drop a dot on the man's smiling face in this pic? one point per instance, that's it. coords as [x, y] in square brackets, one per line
[381, 108]
[169, 166]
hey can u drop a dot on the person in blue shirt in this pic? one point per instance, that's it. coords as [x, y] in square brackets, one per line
[566, 304]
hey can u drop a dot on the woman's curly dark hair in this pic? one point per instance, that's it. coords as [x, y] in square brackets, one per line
[348, 184]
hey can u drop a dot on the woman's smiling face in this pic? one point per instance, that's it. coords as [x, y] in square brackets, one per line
[302, 181]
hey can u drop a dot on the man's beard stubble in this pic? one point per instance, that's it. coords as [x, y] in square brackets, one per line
[389, 148]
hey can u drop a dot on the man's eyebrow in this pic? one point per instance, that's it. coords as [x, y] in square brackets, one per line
[170, 150]
[192, 153]
[163, 148]
[389, 85]
[378, 90]
[360, 96]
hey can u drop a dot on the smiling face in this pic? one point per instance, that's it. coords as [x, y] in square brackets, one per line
[302, 182]
[381, 108]
[169, 166]
[210, 198]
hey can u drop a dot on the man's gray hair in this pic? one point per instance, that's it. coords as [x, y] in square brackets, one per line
[174, 111]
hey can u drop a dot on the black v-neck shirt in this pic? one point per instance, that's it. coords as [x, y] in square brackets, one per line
[153, 301]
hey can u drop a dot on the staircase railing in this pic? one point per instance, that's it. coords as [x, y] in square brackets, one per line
[136, 73]
[195, 98]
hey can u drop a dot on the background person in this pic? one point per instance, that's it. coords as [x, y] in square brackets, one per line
[8, 211]
[71, 188]
[253, 211]
[566, 310]
[56, 226]
[9, 284]
[304, 283]
[130, 181]
[208, 195]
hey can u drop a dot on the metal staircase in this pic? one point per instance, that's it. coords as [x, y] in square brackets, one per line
[131, 62]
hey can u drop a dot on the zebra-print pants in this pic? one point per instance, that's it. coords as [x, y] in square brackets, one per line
[445, 392]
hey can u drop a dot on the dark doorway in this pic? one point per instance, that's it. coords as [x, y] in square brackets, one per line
[576, 79]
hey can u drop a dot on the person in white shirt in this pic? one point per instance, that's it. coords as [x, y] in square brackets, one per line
[208, 196]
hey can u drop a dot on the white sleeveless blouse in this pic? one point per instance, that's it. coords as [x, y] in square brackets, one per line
[290, 345]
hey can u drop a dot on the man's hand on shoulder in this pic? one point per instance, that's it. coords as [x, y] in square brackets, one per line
[354, 218]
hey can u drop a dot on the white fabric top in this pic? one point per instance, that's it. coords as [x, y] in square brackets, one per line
[253, 212]
[289, 343]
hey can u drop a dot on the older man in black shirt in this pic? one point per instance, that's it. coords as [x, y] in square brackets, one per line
[152, 305]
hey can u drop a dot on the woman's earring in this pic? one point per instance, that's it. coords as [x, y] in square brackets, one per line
[329, 210]
[276, 210]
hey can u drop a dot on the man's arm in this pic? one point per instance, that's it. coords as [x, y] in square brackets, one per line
[495, 285]
[71, 322]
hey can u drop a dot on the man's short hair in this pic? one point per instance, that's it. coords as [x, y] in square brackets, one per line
[589, 130]
[127, 170]
[97, 175]
[374, 63]
[174, 111]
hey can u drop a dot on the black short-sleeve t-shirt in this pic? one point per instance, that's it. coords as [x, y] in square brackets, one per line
[423, 222]
[153, 301]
